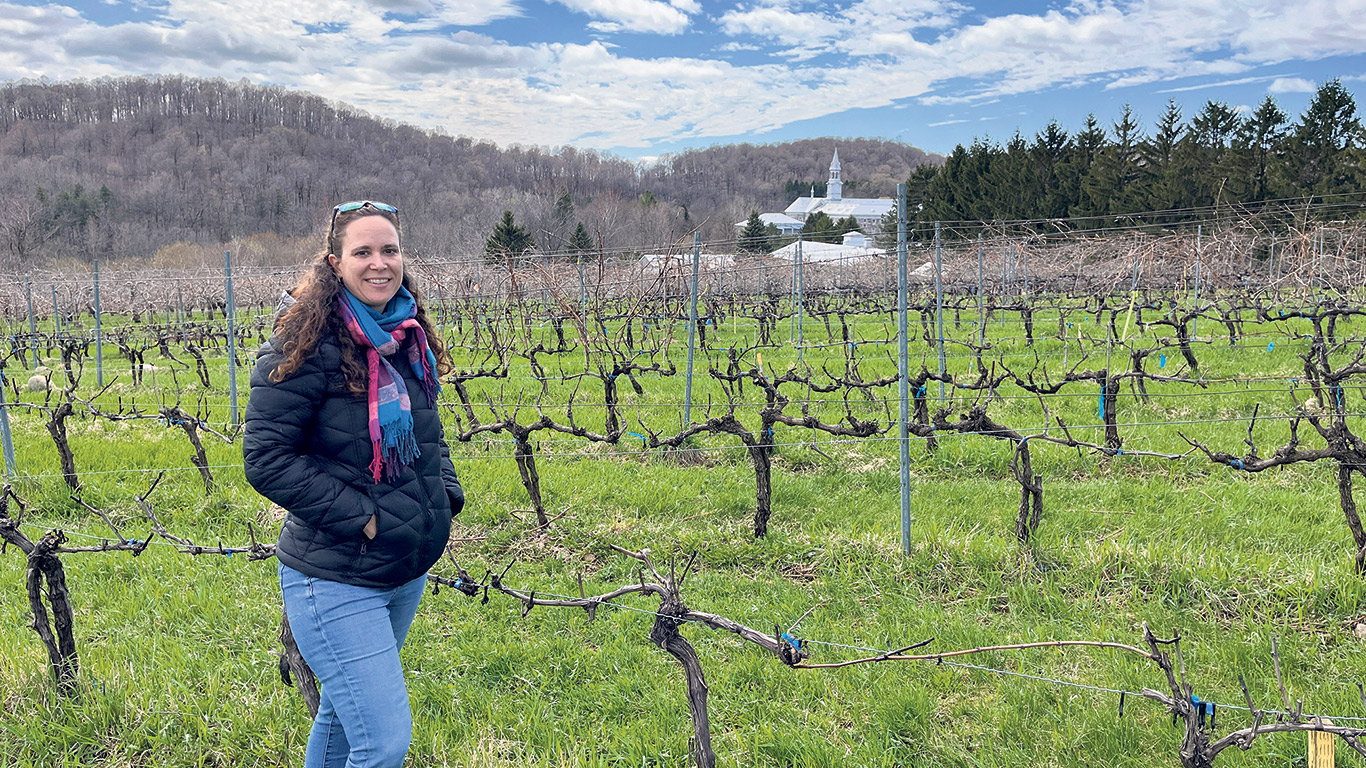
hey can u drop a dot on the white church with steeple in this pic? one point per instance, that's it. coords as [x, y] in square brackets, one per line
[868, 211]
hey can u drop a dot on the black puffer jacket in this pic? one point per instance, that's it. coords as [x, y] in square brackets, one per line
[307, 448]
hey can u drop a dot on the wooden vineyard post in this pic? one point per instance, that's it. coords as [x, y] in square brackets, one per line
[292, 665]
[1322, 748]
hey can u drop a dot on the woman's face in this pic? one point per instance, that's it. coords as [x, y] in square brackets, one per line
[370, 264]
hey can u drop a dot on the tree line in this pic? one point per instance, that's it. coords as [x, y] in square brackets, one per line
[1219, 157]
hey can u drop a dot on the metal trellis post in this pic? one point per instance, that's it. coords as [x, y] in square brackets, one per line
[939, 302]
[903, 369]
[5, 436]
[99, 332]
[56, 311]
[981, 307]
[1199, 231]
[583, 292]
[800, 291]
[692, 327]
[32, 324]
[231, 307]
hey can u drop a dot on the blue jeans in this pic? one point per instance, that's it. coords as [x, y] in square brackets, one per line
[350, 637]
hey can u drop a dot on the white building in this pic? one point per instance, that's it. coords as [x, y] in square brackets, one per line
[868, 211]
[786, 224]
[817, 253]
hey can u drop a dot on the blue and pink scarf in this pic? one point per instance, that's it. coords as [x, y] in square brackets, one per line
[391, 411]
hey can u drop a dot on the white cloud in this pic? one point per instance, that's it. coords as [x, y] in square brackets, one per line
[457, 13]
[1291, 85]
[1220, 84]
[737, 46]
[462, 51]
[850, 30]
[638, 15]
[23, 22]
[777, 23]
[825, 57]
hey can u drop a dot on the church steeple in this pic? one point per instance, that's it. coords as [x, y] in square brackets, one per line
[833, 186]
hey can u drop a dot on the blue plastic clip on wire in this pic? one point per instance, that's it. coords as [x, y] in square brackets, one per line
[793, 641]
[1162, 361]
[1236, 463]
[1270, 346]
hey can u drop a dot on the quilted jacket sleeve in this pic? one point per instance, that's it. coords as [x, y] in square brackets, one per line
[280, 415]
[451, 480]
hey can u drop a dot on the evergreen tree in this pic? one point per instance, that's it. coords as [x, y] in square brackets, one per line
[819, 228]
[1112, 184]
[1258, 154]
[1202, 157]
[887, 228]
[1161, 181]
[580, 243]
[754, 238]
[918, 186]
[1086, 148]
[1049, 153]
[564, 213]
[795, 188]
[945, 198]
[846, 225]
[508, 239]
[976, 191]
[1013, 181]
[1323, 142]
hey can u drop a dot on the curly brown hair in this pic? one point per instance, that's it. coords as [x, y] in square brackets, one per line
[314, 313]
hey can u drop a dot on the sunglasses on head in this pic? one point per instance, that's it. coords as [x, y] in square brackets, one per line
[356, 205]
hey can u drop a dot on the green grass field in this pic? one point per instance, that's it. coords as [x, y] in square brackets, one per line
[178, 653]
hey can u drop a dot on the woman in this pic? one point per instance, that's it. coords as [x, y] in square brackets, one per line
[342, 431]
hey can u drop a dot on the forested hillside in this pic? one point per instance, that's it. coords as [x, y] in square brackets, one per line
[169, 168]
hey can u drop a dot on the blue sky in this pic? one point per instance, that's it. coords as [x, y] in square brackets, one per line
[642, 78]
